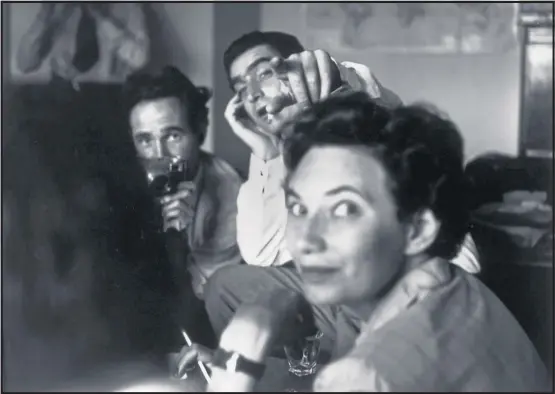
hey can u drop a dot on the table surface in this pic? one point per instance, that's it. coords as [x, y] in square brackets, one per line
[276, 378]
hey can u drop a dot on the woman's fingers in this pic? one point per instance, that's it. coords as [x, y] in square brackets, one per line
[190, 355]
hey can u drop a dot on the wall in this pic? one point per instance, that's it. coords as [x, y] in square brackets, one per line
[480, 93]
[231, 20]
[182, 35]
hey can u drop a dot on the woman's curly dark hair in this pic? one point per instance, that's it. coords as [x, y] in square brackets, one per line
[421, 150]
[170, 83]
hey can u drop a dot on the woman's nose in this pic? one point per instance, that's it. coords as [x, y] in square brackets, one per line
[311, 239]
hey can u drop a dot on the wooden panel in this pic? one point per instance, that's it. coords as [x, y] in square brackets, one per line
[536, 134]
[527, 290]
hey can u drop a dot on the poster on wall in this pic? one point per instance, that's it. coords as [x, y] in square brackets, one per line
[79, 42]
[440, 28]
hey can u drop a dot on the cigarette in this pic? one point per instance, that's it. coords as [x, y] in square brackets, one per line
[200, 364]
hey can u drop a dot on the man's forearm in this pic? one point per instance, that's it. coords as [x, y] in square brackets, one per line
[360, 78]
[250, 341]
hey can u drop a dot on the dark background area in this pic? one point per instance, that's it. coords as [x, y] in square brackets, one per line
[82, 136]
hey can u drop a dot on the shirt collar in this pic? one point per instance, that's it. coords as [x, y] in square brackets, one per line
[414, 286]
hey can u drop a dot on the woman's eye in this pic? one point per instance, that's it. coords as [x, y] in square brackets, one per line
[345, 209]
[296, 209]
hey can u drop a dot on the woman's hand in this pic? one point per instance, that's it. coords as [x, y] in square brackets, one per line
[272, 319]
[189, 356]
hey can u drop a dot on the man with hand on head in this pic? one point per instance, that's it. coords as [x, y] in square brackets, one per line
[274, 78]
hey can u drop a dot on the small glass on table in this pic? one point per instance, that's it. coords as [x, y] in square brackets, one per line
[302, 356]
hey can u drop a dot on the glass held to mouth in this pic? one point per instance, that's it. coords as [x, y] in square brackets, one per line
[165, 175]
[268, 82]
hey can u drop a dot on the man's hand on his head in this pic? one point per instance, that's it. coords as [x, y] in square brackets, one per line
[262, 145]
[178, 210]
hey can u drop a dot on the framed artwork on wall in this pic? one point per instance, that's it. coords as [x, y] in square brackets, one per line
[80, 42]
[409, 28]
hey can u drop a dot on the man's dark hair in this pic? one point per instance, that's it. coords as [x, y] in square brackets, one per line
[285, 44]
[421, 151]
[169, 83]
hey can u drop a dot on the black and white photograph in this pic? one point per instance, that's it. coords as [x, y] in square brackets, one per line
[216, 196]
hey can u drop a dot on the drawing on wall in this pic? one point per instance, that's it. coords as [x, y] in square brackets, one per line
[100, 42]
[412, 27]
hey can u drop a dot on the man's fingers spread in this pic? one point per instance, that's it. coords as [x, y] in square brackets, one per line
[296, 79]
[311, 74]
[326, 68]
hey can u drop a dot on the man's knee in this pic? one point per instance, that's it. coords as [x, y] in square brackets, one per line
[215, 283]
[225, 290]
[225, 285]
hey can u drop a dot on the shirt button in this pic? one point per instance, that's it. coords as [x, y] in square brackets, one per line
[263, 190]
[261, 173]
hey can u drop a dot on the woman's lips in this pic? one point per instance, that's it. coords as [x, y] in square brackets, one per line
[317, 275]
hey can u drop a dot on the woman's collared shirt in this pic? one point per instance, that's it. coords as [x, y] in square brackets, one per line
[439, 329]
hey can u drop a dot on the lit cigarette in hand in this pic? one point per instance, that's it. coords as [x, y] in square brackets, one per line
[200, 364]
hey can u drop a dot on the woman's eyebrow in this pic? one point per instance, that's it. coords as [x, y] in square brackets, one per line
[289, 191]
[344, 188]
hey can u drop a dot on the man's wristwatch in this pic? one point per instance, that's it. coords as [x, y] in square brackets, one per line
[234, 362]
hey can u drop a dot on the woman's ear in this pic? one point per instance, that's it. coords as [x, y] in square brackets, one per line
[422, 232]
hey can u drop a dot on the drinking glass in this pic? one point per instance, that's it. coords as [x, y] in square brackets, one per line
[272, 84]
[302, 356]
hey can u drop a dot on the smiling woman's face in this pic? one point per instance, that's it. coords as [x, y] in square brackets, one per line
[343, 229]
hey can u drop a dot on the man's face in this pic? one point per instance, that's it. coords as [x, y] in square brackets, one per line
[244, 70]
[160, 131]
[342, 229]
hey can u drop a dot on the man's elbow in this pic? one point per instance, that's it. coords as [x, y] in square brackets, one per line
[254, 254]
[248, 253]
